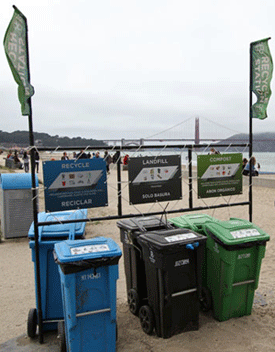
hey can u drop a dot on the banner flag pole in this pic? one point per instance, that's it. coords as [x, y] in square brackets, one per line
[261, 69]
[17, 53]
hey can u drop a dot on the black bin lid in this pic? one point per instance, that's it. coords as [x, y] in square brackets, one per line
[142, 223]
[171, 240]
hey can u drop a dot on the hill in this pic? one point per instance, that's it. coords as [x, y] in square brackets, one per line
[21, 139]
[262, 142]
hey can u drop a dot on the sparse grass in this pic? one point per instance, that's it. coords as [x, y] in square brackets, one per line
[96, 222]
[7, 169]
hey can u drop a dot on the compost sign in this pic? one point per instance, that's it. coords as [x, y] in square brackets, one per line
[75, 184]
[219, 175]
[154, 179]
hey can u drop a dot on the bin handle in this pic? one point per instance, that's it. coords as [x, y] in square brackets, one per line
[72, 232]
[143, 229]
[132, 244]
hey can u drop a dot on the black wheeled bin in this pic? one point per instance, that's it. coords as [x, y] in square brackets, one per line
[130, 230]
[173, 260]
[196, 222]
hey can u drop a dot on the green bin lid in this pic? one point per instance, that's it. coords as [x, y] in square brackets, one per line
[235, 233]
[192, 221]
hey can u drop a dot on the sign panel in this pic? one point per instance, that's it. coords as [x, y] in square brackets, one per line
[75, 184]
[219, 175]
[154, 179]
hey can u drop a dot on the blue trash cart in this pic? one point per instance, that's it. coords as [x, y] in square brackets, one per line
[88, 272]
[48, 236]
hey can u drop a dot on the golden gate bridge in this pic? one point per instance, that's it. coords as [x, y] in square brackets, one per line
[212, 131]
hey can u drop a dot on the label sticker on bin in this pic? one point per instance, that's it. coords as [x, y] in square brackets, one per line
[181, 237]
[90, 249]
[245, 233]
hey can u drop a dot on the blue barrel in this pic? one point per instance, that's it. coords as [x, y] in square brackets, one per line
[48, 236]
[88, 272]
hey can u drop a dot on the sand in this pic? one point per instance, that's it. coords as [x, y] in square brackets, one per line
[251, 333]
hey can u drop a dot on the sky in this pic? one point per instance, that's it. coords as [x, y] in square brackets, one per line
[133, 69]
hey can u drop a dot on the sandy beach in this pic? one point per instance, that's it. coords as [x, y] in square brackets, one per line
[253, 333]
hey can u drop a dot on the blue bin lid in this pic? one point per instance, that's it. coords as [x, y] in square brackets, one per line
[17, 181]
[62, 230]
[81, 250]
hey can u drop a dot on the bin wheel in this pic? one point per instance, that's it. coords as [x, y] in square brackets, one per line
[133, 301]
[206, 301]
[32, 323]
[62, 336]
[146, 317]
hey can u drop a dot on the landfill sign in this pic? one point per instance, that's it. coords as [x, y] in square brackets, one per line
[154, 179]
[75, 184]
[219, 175]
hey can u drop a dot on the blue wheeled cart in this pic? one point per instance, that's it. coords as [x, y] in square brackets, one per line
[88, 273]
[48, 236]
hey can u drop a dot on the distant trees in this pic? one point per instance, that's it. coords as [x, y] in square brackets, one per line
[21, 139]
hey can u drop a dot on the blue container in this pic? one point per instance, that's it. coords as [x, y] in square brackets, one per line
[88, 272]
[17, 181]
[48, 236]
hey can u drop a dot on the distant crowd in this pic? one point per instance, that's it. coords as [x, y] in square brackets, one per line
[14, 157]
[21, 159]
[106, 156]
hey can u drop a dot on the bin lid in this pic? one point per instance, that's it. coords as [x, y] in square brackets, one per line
[142, 223]
[86, 250]
[191, 221]
[62, 230]
[235, 232]
[17, 181]
[174, 239]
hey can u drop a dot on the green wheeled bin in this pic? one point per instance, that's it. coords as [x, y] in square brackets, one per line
[234, 253]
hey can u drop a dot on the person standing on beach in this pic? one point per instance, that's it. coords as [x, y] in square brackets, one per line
[246, 170]
[81, 155]
[64, 156]
[26, 161]
[36, 159]
[214, 151]
[108, 160]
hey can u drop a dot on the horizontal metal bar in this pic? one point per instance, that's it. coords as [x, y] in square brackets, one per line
[184, 292]
[117, 217]
[131, 147]
[93, 312]
[243, 283]
[52, 321]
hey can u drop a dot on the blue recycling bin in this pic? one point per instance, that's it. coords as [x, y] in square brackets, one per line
[88, 272]
[48, 236]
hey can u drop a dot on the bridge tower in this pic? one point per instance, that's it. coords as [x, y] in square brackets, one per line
[197, 131]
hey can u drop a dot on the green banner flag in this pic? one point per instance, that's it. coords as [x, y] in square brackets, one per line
[16, 49]
[262, 68]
